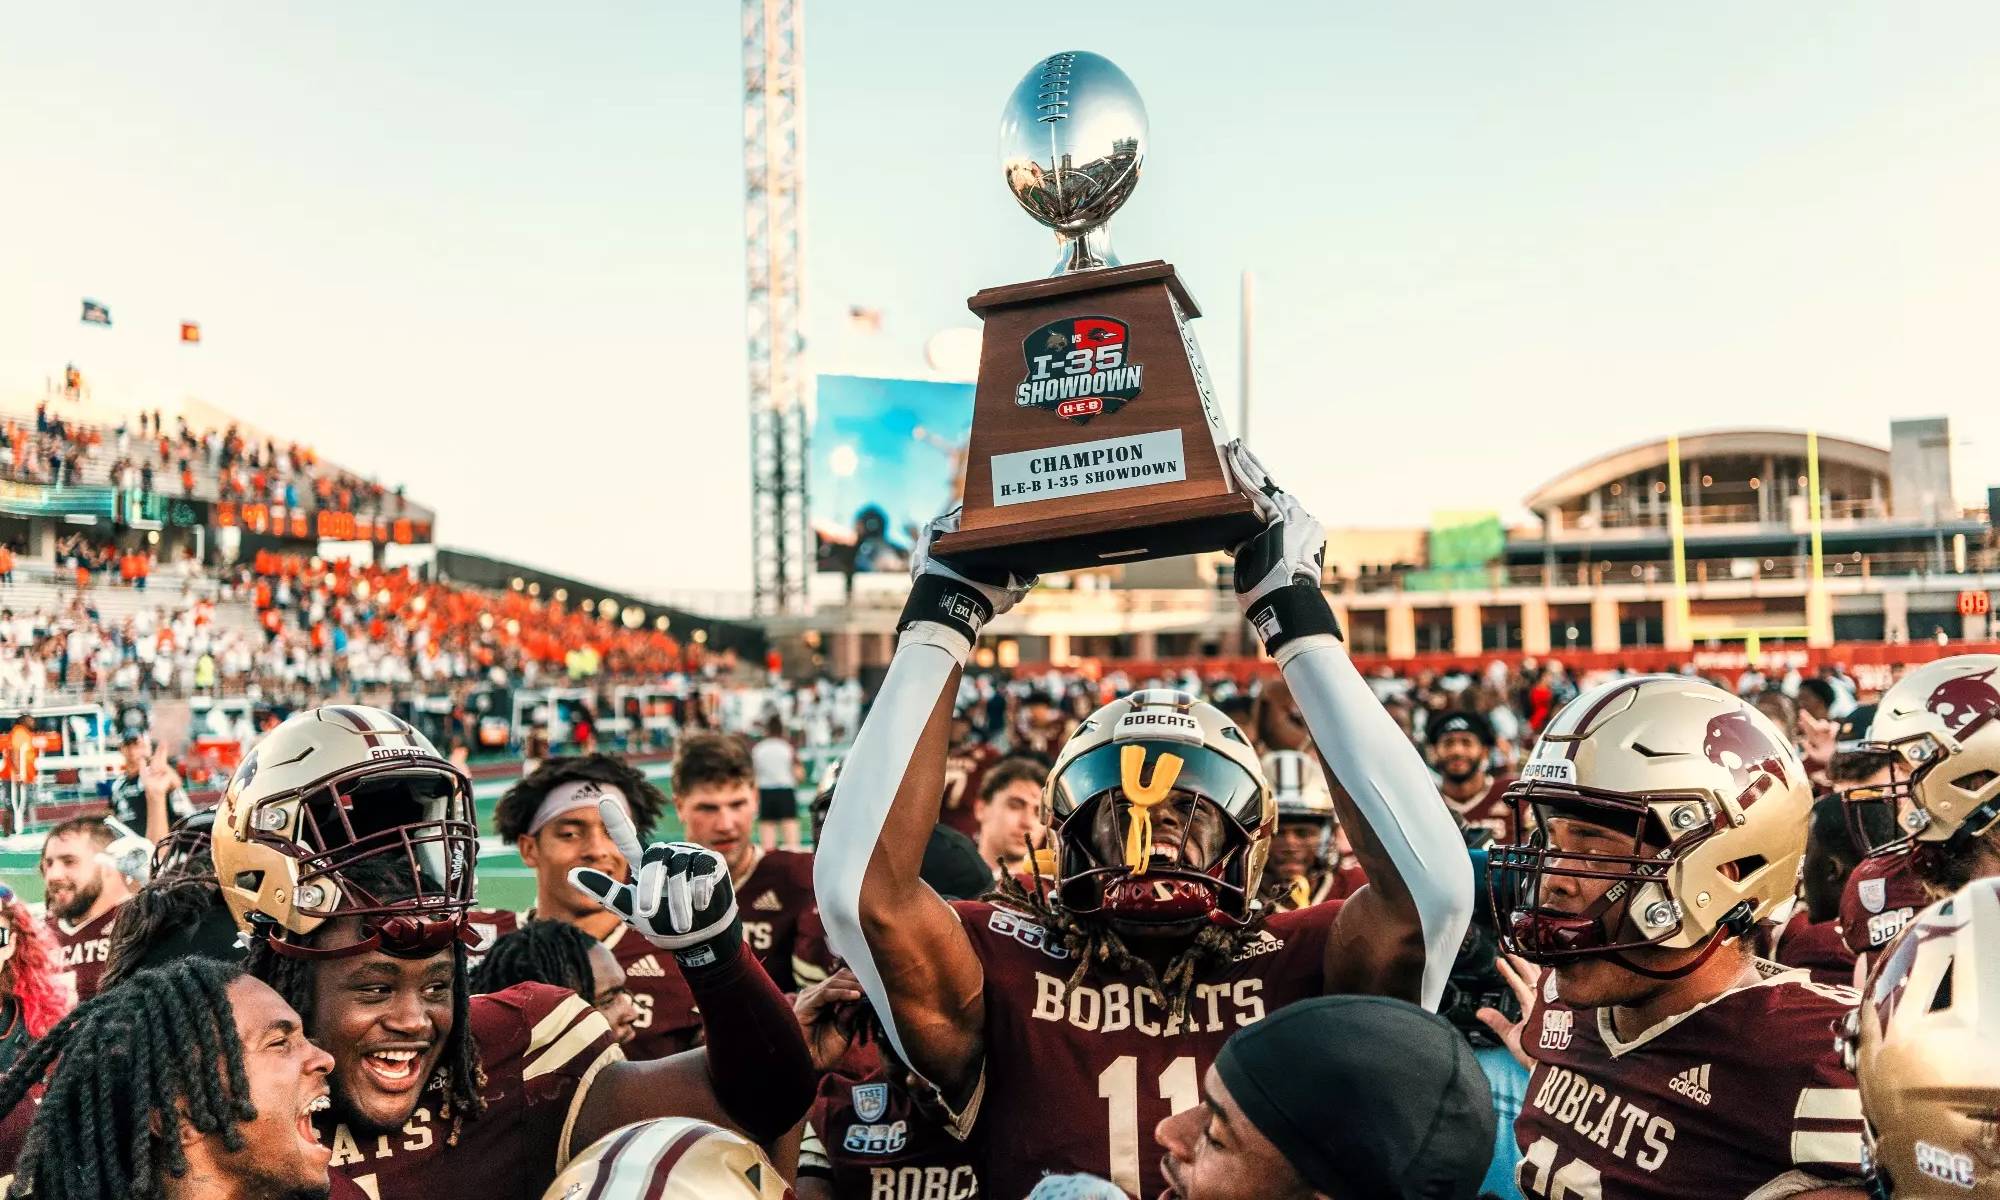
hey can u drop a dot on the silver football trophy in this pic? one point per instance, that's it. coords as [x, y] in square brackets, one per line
[1095, 437]
[1072, 140]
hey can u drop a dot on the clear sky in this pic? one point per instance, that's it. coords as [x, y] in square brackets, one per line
[494, 250]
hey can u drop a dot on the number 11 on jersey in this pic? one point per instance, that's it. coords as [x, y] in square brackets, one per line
[1118, 1087]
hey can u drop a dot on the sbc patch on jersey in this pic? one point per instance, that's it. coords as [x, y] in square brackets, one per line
[1558, 1027]
[871, 1100]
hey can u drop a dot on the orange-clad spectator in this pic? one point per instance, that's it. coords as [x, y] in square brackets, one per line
[6, 564]
[21, 752]
[273, 621]
[82, 577]
[261, 596]
[187, 481]
[319, 635]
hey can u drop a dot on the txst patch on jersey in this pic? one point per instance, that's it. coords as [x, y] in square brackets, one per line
[1874, 893]
[1077, 368]
[871, 1100]
[1145, 723]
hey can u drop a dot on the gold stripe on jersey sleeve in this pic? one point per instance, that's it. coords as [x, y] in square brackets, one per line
[1825, 1146]
[555, 1022]
[812, 1151]
[612, 1054]
[565, 1048]
[1828, 1104]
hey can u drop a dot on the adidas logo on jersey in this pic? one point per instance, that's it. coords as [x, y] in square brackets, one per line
[768, 902]
[646, 968]
[1693, 1083]
[1265, 942]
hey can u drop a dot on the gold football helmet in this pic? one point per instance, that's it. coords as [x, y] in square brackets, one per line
[670, 1158]
[1940, 725]
[1161, 814]
[1711, 795]
[347, 811]
[1925, 1045]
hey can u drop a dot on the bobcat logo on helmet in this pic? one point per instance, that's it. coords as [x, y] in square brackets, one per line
[1959, 701]
[1735, 743]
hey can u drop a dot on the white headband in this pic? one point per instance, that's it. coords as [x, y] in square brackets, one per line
[577, 793]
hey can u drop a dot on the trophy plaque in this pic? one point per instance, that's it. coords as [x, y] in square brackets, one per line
[1095, 434]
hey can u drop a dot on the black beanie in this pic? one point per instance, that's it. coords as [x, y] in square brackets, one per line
[1366, 1097]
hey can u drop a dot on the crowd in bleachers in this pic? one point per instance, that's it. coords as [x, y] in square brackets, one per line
[336, 622]
[147, 454]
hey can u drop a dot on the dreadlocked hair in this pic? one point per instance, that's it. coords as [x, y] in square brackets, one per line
[554, 952]
[516, 810]
[132, 1065]
[460, 1080]
[153, 914]
[1094, 942]
[30, 976]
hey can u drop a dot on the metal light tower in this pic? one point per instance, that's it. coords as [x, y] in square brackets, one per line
[774, 184]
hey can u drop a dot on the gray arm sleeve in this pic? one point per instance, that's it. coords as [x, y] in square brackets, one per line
[1382, 771]
[869, 778]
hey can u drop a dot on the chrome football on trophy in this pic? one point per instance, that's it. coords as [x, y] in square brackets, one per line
[1095, 436]
[1072, 143]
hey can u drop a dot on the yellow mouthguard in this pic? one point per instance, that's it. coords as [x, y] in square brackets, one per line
[1142, 797]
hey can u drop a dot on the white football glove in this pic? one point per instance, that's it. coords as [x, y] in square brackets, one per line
[948, 606]
[680, 899]
[1278, 571]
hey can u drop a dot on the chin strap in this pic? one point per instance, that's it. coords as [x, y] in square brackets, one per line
[1736, 924]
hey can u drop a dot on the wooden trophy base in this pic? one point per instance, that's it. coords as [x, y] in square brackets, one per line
[1095, 435]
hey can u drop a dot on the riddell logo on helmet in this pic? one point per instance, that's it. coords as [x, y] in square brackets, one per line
[1957, 702]
[1734, 743]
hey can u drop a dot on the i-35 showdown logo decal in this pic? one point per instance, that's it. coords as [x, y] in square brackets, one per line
[1077, 369]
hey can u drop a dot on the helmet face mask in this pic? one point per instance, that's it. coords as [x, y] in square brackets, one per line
[1584, 838]
[1161, 816]
[1940, 726]
[381, 832]
[1667, 813]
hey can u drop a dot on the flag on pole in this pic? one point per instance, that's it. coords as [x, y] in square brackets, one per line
[95, 313]
[191, 331]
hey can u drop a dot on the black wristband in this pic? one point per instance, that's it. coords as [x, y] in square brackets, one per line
[1294, 611]
[716, 953]
[949, 603]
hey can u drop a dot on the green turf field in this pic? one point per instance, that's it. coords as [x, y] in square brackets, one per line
[503, 881]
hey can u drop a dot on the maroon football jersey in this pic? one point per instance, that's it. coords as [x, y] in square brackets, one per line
[1075, 1081]
[867, 1138]
[668, 1020]
[83, 949]
[773, 900]
[1489, 810]
[1881, 896]
[539, 1047]
[964, 771]
[491, 924]
[1740, 1094]
[1815, 946]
